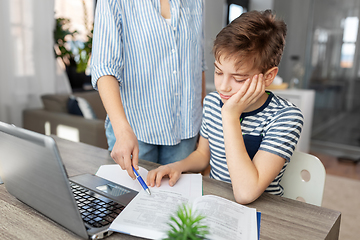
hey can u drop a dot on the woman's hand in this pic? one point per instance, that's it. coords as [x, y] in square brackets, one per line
[126, 151]
[155, 176]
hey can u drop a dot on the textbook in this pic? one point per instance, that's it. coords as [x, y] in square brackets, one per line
[148, 216]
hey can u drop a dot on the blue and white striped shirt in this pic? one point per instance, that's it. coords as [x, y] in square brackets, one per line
[158, 65]
[275, 127]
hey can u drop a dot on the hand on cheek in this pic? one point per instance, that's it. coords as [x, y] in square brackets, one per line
[255, 90]
[248, 94]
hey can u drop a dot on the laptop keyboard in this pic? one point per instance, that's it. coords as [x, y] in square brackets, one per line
[96, 210]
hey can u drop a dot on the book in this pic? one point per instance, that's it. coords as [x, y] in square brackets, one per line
[189, 185]
[148, 216]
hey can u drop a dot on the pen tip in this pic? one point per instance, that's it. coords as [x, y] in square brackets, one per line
[148, 191]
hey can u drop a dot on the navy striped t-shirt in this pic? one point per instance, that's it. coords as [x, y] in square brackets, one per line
[275, 127]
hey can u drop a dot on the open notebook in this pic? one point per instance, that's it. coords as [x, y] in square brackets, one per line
[147, 215]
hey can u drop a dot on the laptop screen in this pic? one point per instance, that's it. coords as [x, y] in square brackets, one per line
[33, 172]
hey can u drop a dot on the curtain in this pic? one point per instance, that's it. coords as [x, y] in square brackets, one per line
[28, 68]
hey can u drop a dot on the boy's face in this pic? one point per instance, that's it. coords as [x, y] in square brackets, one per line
[229, 79]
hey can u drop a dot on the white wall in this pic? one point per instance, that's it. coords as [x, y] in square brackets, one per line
[261, 5]
[215, 20]
[297, 16]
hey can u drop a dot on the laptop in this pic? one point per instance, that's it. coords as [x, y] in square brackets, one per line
[32, 171]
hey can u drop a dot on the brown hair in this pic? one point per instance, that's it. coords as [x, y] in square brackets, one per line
[253, 36]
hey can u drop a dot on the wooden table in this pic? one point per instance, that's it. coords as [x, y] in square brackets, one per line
[281, 218]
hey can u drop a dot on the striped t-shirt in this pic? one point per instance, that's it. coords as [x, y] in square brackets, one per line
[158, 65]
[275, 127]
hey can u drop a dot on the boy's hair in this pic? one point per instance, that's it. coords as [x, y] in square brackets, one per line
[253, 36]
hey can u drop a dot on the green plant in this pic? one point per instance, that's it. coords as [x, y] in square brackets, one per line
[84, 53]
[63, 36]
[74, 53]
[186, 225]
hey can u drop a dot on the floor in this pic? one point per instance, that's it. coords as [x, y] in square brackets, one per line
[341, 192]
[339, 166]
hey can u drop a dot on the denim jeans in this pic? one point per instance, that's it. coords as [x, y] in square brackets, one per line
[162, 154]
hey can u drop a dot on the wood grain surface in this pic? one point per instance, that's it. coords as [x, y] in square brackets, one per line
[281, 218]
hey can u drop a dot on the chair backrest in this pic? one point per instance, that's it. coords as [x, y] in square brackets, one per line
[304, 178]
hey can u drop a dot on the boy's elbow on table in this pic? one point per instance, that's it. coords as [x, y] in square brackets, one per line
[243, 197]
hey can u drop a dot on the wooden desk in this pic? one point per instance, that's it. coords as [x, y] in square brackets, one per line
[282, 218]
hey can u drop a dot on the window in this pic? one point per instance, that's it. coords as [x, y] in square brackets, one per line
[351, 25]
[321, 37]
[236, 8]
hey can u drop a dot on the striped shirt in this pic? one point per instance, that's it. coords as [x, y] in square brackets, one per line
[275, 127]
[158, 65]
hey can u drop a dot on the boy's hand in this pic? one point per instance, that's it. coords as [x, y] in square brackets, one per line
[247, 95]
[155, 176]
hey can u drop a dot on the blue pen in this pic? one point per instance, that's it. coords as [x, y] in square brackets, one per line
[141, 181]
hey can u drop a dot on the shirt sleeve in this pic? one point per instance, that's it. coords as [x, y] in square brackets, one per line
[107, 56]
[203, 128]
[283, 133]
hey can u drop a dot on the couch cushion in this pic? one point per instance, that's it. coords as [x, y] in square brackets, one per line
[94, 100]
[55, 102]
[80, 106]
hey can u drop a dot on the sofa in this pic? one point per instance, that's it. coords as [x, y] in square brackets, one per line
[80, 111]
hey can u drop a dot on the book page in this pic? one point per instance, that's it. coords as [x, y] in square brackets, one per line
[147, 215]
[226, 219]
[114, 173]
[189, 185]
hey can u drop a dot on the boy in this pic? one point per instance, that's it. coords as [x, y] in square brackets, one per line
[248, 134]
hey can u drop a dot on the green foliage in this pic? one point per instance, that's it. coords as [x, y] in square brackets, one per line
[62, 35]
[73, 53]
[84, 52]
[187, 225]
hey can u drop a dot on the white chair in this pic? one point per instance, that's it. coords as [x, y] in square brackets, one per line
[304, 178]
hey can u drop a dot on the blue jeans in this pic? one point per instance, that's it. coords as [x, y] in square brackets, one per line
[162, 154]
[165, 154]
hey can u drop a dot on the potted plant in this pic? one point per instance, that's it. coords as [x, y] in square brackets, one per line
[186, 225]
[74, 54]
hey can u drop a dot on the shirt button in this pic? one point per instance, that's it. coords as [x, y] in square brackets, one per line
[176, 94]
[174, 28]
[174, 72]
[173, 50]
[178, 114]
